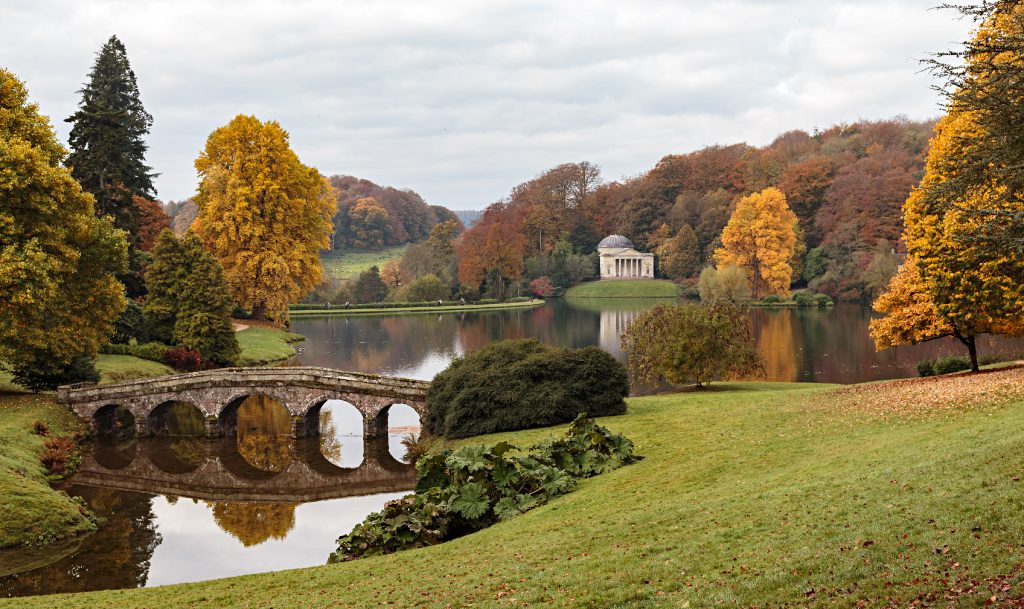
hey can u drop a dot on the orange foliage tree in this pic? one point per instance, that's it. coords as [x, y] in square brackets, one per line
[491, 250]
[761, 238]
[152, 221]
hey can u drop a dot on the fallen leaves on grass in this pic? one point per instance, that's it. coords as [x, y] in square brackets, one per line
[929, 396]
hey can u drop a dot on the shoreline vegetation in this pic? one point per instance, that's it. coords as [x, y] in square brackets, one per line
[447, 308]
[702, 521]
[624, 288]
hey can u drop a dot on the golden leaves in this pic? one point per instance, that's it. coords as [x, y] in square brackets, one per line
[760, 237]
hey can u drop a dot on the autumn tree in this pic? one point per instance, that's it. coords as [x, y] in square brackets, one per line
[489, 250]
[975, 288]
[760, 238]
[426, 288]
[59, 295]
[263, 214]
[692, 343]
[152, 221]
[728, 282]
[107, 138]
[679, 256]
[369, 224]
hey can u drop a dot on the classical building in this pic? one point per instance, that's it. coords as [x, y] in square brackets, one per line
[619, 259]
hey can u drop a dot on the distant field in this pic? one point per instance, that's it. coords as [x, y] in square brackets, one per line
[346, 264]
[624, 288]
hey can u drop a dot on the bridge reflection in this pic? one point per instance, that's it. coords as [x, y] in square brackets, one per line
[217, 470]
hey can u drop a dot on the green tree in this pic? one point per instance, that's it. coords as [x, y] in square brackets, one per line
[189, 302]
[107, 146]
[729, 283]
[426, 288]
[59, 295]
[692, 343]
[369, 286]
[203, 322]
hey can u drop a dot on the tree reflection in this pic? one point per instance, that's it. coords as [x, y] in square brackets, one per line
[264, 433]
[330, 440]
[773, 334]
[116, 556]
[254, 523]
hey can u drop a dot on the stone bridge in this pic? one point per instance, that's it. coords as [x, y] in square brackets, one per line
[214, 470]
[218, 393]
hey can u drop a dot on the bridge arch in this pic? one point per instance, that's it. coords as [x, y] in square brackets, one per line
[176, 418]
[113, 420]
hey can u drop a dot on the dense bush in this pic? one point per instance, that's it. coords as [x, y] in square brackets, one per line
[519, 299]
[183, 359]
[951, 363]
[926, 367]
[426, 288]
[41, 376]
[154, 352]
[823, 300]
[772, 299]
[465, 490]
[60, 456]
[803, 299]
[517, 384]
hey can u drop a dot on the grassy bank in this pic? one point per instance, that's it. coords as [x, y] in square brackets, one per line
[266, 346]
[770, 494]
[411, 310]
[624, 288]
[347, 264]
[32, 512]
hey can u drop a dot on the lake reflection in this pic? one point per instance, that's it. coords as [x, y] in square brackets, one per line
[184, 508]
[799, 344]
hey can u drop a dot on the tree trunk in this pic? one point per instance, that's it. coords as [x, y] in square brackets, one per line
[259, 312]
[972, 349]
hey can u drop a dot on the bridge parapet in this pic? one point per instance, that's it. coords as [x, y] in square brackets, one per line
[302, 390]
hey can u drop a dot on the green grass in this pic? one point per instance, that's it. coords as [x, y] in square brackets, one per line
[412, 310]
[346, 264]
[767, 494]
[624, 288]
[121, 368]
[265, 346]
[32, 512]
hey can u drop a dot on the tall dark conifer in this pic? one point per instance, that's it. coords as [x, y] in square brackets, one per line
[107, 139]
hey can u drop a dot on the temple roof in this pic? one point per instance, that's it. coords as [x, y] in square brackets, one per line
[615, 241]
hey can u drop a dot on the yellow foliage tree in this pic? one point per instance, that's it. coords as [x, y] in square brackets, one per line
[263, 214]
[58, 291]
[761, 239]
[975, 288]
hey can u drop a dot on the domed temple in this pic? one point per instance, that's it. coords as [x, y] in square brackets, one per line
[620, 260]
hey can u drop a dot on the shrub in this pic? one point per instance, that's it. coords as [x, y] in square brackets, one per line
[541, 287]
[803, 299]
[772, 299]
[154, 352]
[823, 300]
[40, 428]
[926, 367]
[468, 489]
[187, 360]
[527, 298]
[426, 289]
[417, 446]
[518, 384]
[43, 375]
[486, 301]
[951, 363]
[59, 456]
[727, 283]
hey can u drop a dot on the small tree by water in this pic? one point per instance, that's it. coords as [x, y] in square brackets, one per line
[692, 343]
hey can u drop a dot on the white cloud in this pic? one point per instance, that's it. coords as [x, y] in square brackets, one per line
[463, 100]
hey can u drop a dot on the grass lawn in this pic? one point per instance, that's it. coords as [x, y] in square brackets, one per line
[346, 264]
[32, 512]
[121, 368]
[624, 288]
[265, 346]
[769, 494]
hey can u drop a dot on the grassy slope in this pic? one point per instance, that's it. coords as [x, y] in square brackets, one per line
[346, 264]
[413, 310]
[263, 346]
[120, 368]
[624, 288]
[31, 511]
[752, 494]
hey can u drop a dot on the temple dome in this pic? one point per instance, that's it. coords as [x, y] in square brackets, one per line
[615, 241]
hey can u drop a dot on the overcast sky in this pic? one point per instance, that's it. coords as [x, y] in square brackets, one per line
[462, 100]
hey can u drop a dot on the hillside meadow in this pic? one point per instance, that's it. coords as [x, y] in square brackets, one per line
[751, 494]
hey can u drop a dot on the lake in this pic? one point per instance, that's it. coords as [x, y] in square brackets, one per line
[185, 509]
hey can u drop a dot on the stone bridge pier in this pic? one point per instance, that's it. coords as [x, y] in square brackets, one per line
[142, 405]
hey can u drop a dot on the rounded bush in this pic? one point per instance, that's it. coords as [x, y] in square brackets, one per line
[803, 299]
[823, 300]
[926, 367]
[519, 384]
[772, 299]
[951, 363]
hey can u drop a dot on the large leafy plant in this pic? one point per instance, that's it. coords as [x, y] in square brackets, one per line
[464, 490]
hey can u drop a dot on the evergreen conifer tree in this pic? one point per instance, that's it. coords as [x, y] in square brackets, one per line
[107, 147]
[203, 322]
[165, 278]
